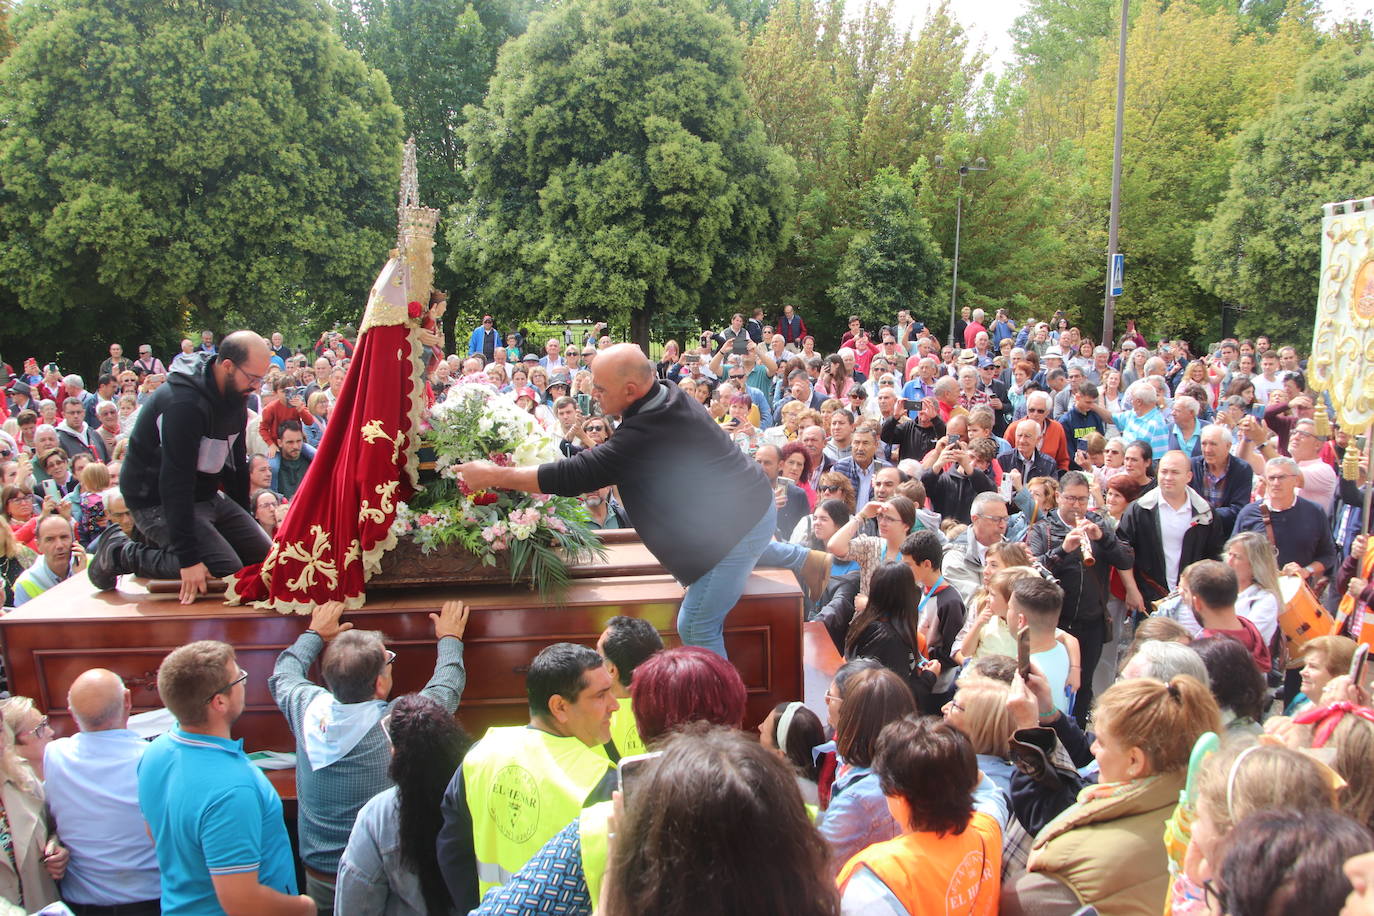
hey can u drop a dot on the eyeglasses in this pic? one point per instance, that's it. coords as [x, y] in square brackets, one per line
[1278, 478]
[995, 519]
[1212, 897]
[1074, 500]
[37, 730]
[824, 488]
[894, 519]
[390, 658]
[1036, 410]
[598, 428]
[253, 380]
[243, 676]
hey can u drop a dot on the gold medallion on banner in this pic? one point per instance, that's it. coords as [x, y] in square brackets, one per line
[1362, 295]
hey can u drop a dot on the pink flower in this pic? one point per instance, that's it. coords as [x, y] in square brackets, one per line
[427, 519]
[558, 525]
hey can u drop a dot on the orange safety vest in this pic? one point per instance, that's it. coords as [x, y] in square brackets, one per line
[955, 874]
[1347, 606]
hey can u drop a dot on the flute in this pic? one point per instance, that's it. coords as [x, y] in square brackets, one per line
[1085, 545]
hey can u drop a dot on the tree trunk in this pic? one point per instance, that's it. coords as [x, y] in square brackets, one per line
[639, 329]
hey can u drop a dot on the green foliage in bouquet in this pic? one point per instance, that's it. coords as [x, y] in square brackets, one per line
[536, 535]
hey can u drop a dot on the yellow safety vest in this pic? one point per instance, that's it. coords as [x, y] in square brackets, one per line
[594, 829]
[625, 732]
[523, 786]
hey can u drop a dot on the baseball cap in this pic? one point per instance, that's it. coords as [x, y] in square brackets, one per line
[526, 392]
[985, 362]
[531, 357]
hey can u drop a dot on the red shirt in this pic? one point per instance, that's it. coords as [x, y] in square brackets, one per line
[1248, 636]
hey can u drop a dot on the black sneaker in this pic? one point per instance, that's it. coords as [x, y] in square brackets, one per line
[107, 558]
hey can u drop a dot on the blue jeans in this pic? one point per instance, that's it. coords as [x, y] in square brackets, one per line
[701, 618]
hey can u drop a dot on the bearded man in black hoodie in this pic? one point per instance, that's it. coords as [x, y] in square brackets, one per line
[185, 478]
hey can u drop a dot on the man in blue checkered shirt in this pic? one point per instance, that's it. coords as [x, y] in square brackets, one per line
[1144, 420]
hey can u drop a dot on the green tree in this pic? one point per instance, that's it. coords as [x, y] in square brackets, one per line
[1262, 248]
[892, 262]
[438, 56]
[6, 40]
[616, 170]
[1194, 80]
[848, 97]
[209, 164]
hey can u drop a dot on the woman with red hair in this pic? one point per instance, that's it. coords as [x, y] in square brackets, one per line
[797, 464]
[672, 689]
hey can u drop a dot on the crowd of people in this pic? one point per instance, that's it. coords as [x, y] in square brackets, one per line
[1055, 571]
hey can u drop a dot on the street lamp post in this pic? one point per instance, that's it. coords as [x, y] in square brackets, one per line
[979, 165]
[1114, 215]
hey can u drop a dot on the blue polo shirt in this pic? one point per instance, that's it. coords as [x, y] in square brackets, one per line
[211, 812]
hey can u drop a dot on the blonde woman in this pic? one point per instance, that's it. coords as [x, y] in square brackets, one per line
[35, 860]
[979, 710]
[319, 405]
[14, 559]
[1145, 731]
[1251, 557]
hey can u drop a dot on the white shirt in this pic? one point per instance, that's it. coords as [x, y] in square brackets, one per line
[1264, 387]
[1173, 524]
[1260, 607]
[1319, 483]
[91, 781]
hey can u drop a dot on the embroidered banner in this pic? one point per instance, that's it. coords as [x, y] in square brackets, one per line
[1342, 361]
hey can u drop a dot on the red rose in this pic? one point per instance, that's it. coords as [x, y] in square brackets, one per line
[484, 499]
[415, 310]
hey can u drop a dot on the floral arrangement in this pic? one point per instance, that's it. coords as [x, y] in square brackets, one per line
[536, 535]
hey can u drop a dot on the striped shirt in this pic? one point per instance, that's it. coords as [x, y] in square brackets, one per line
[1152, 427]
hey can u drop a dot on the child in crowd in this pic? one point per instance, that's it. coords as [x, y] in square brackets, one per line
[989, 633]
[1035, 603]
[940, 614]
